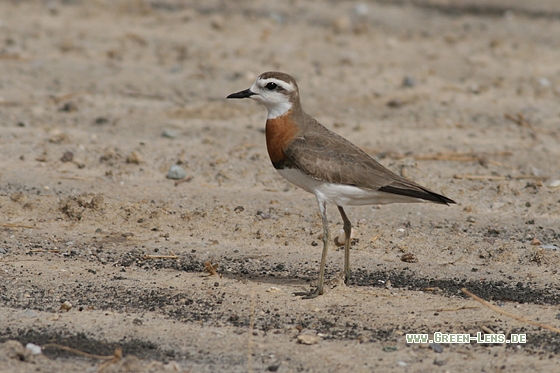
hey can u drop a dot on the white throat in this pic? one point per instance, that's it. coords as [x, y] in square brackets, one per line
[278, 109]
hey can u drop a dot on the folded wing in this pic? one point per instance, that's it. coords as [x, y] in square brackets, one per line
[324, 155]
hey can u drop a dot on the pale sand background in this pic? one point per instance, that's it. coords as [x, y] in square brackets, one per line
[104, 79]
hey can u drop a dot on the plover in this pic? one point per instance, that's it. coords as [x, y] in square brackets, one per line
[321, 162]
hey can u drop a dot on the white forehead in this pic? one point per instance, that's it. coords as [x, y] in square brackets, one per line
[281, 83]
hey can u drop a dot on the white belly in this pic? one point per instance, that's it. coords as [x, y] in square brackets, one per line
[340, 194]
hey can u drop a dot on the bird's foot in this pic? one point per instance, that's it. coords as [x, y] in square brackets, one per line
[340, 280]
[309, 294]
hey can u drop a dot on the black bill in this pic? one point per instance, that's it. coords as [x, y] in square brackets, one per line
[243, 94]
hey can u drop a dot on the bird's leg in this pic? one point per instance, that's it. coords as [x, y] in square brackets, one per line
[326, 239]
[347, 232]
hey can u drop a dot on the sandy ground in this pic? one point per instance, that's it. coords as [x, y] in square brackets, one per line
[99, 98]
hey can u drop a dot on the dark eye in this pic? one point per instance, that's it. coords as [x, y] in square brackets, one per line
[271, 86]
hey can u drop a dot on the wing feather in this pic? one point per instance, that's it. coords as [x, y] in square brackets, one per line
[326, 156]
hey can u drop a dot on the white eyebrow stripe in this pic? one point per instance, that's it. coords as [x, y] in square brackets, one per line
[286, 85]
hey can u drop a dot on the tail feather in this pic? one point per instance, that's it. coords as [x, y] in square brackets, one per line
[418, 193]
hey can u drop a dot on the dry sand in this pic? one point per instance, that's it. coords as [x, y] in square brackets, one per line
[87, 89]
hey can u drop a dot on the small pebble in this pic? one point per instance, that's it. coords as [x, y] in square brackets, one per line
[439, 363]
[3, 251]
[176, 172]
[33, 348]
[67, 157]
[28, 313]
[544, 82]
[408, 81]
[471, 219]
[58, 138]
[273, 367]
[67, 306]
[409, 258]
[554, 183]
[217, 22]
[394, 103]
[277, 17]
[402, 363]
[101, 120]
[495, 231]
[537, 171]
[436, 347]
[69, 107]
[134, 158]
[535, 241]
[169, 134]
[550, 247]
[306, 339]
[172, 366]
[361, 9]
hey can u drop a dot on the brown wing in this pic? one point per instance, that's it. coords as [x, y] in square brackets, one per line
[324, 155]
